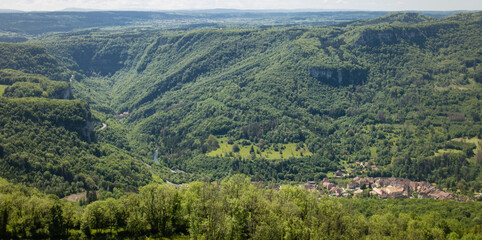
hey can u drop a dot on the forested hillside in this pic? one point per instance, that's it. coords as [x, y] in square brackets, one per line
[401, 92]
[22, 84]
[32, 59]
[143, 130]
[48, 142]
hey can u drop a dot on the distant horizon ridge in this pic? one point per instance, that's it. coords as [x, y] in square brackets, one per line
[225, 10]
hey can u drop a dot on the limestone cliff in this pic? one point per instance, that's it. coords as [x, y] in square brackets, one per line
[341, 76]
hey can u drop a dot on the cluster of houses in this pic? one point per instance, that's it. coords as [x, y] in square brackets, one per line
[395, 188]
[357, 167]
[121, 116]
[383, 187]
[367, 165]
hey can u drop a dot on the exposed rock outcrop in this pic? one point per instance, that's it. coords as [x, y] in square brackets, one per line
[338, 77]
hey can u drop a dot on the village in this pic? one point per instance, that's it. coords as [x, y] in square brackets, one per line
[382, 187]
[378, 187]
[121, 116]
[342, 185]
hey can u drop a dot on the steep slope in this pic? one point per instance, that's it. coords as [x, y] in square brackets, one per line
[395, 92]
[32, 85]
[50, 143]
[30, 58]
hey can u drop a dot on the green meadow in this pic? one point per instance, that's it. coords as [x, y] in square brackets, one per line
[475, 141]
[2, 89]
[250, 150]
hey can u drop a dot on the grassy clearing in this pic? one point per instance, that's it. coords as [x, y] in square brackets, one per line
[273, 151]
[2, 89]
[447, 151]
[373, 152]
[474, 140]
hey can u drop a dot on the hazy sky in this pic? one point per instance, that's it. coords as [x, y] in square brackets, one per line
[50, 5]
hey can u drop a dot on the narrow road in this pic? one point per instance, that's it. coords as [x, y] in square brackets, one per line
[103, 126]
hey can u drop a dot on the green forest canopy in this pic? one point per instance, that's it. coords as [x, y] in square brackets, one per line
[401, 92]
[234, 209]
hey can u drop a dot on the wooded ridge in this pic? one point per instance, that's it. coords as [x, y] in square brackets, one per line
[189, 132]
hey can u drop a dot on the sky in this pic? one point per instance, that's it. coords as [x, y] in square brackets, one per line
[373, 5]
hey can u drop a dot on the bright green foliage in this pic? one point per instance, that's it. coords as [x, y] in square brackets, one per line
[27, 213]
[50, 143]
[160, 207]
[247, 150]
[390, 91]
[45, 142]
[2, 89]
[31, 85]
[401, 92]
[31, 59]
[235, 209]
